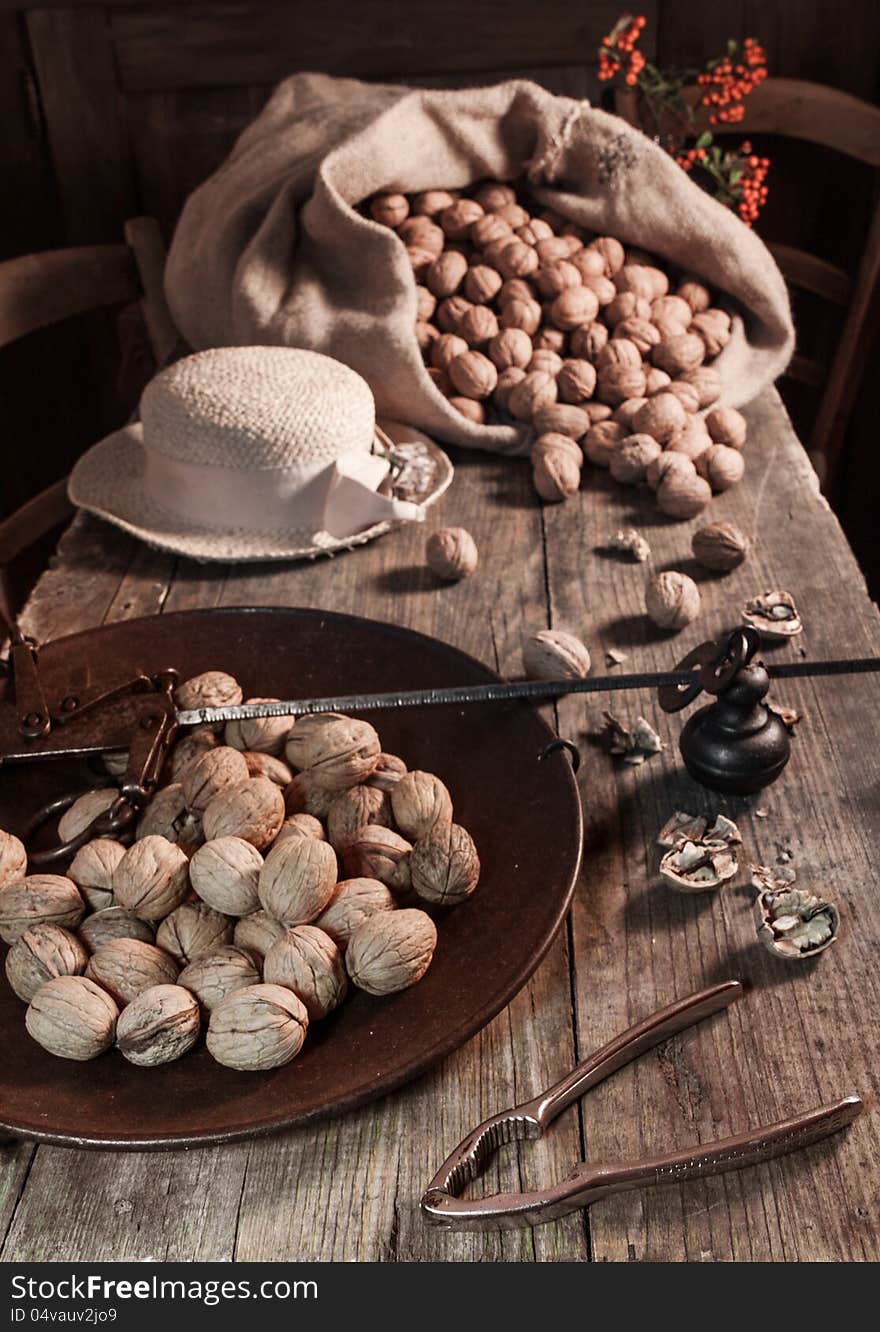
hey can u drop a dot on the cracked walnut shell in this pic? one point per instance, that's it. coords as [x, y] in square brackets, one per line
[444, 865]
[258, 1027]
[159, 1026]
[167, 816]
[72, 1018]
[391, 951]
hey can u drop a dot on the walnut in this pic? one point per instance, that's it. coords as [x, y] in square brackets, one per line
[470, 408]
[552, 279]
[619, 382]
[556, 474]
[516, 289]
[489, 229]
[304, 796]
[680, 354]
[254, 810]
[192, 929]
[40, 954]
[260, 735]
[379, 853]
[518, 313]
[692, 440]
[212, 976]
[72, 1017]
[451, 553]
[721, 465]
[389, 209]
[644, 335]
[665, 463]
[125, 967]
[545, 359]
[619, 351]
[445, 866]
[696, 295]
[420, 801]
[494, 195]
[426, 336]
[420, 233]
[212, 689]
[225, 874]
[552, 249]
[588, 340]
[562, 419]
[297, 880]
[660, 417]
[533, 231]
[92, 871]
[673, 310]
[625, 413]
[426, 304]
[303, 826]
[256, 933]
[167, 816]
[258, 1027]
[151, 878]
[114, 923]
[552, 654]
[706, 380]
[631, 460]
[354, 901]
[657, 381]
[686, 393]
[307, 961]
[391, 951]
[473, 374]
[431, 202]
[720, 546]
[573, 307]
[84, 811]
[638, 279]
[602, 288]
[507, 381]
[589, 264]
[612, 253]
[387, 772]
[353, 810]
[268, 766]
[13, 858]
[38, 899]
[482, 284]
[450, 311]
[213, 772]
[517, 259]
[602, 441]
[627, 305]
[336, 751]
[576, 380]
[551, 444]
[536, 390]
[713, 326]
[513, 214]
[158, 1026]
[512, 346]
[549, 339]
[672, 599]
[683, 494]
[727, 426]
[420, 258]
[192, 746]
[443, 353]
[445, 275]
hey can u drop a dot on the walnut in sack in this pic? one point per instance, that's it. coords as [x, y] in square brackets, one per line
[353, 901]
[258, 1027]
[72, 1018]
[125, 967]
[38, 899]
[336, 751]
[159, 1026]
[307, 961]
[92, 870]
[444, 865]
[42, 953]
[253, 811]
[297, 880]
[225, 874]
[212, 976]
[391, 951]
[151, 879]
[193, 929]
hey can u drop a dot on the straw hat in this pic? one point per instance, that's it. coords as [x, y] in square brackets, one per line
[259, 453]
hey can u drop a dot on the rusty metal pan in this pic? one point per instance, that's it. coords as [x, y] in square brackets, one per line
[523, 811]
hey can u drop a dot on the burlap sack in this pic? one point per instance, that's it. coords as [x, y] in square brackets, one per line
[270, 249]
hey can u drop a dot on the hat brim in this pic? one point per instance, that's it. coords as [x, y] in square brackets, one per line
[108, 481]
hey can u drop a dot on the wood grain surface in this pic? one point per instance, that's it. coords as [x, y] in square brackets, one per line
[805, 1033]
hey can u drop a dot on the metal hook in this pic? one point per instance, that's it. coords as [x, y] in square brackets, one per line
[568, 746]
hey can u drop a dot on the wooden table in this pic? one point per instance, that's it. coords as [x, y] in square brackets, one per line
[805, 1033]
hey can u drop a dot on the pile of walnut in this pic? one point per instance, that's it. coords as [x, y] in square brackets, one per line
[525, 318]
[249, 900]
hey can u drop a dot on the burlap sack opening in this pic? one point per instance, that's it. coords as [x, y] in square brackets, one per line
[271, 250]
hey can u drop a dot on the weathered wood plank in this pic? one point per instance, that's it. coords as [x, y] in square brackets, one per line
[802, 1034]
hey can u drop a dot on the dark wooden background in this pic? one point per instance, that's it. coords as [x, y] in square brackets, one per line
[113, 109]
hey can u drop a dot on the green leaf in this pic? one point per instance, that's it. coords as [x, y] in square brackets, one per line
[705, 140]
[735, 176]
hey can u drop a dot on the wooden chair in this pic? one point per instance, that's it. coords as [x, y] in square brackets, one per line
[795, 109]
[42, 289]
